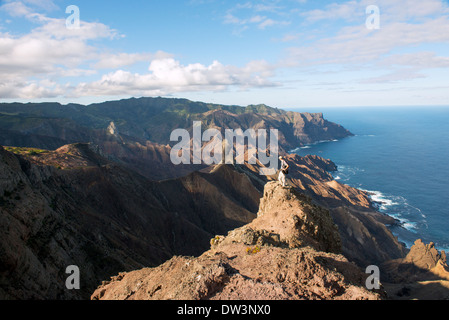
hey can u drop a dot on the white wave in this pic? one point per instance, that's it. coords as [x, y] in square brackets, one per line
[417, 209]
[308, 146]
[337, 178]
[324, 141]
[345, 173]
[405, 223]
[297, 149]
[380, 199]
[410, 226]
[384, 203]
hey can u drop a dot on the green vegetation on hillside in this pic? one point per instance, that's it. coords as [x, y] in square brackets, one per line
[26, 151]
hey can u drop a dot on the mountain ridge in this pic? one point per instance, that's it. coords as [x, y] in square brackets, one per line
[153, 119]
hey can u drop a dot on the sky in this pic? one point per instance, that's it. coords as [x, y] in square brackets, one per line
[289, 54]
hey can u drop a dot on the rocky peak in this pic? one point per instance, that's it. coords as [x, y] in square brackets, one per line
[279, 255]
[300, 221]
[423, 262]
[112, 129]
[424, 256]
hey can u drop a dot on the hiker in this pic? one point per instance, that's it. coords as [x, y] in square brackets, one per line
[283, 171]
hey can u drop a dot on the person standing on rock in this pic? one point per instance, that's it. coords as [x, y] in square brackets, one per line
[283, 172]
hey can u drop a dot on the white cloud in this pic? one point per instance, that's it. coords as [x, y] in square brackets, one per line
[31, 89]
[261, 22]
[16, 9]
[119, 60]
[410, 48]
[360, 46]
[399, 75]
[47, 5]
[347, 11]
[231, 19]
[24, 7]
[400, 10]
[50, 49]
[33, 64]
[41, 63]
[252, 17]
[405, 25]
[168, 76]
[391, 10]
[423, 59]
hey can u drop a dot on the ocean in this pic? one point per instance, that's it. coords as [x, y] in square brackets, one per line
[400, 155]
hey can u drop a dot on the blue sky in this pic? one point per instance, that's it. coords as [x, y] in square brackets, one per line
[284, 53]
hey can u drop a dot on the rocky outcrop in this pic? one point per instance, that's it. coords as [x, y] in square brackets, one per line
[422, 274]
[425, 256]
[112, 129]
[293, 213]
[423, 261]
[282, 254]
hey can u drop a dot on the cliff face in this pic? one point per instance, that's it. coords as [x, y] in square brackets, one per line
[282, 254]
